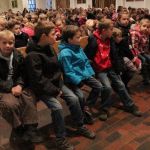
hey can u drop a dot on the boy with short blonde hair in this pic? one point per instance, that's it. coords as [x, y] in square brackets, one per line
[16, 100]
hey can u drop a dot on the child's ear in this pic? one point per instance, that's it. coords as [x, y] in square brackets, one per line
[69, 40]
[43, 35]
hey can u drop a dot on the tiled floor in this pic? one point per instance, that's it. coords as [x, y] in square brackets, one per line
[122, 131]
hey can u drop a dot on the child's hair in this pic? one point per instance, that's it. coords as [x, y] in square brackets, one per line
[41, 16]
[144, 20]
[3, 22]
[69, 32]
[122, 13]
[104, 24]
[42, 28]
[11, 24]
[116, 32]
[7, 34]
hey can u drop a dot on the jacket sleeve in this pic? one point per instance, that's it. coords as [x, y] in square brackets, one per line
[91, 48]
[126, 50]
[68, 69]
[117, 61]
[19, 70]
[6, 86]
[33, 67]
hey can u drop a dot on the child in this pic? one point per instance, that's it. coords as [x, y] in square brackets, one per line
[140, 46]
[108, 65]
[3, 23]
[131, 64]
[16, 101]
[28, 29]
[124, 25]
[76, 67]
[43, 70]
[59, 27]
[21, 38]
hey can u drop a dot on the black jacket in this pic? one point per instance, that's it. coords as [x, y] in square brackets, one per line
[92, 47]
[42, 70]
[21, 40]
[125, 30]
[124, 50]
[17, 63]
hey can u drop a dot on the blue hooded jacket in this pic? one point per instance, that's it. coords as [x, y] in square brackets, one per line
[76, 66]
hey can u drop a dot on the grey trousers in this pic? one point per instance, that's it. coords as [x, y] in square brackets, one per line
[18, 110]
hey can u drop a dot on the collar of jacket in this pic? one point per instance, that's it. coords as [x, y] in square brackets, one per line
[70, 46]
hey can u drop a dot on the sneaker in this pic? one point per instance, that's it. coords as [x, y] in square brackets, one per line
[62, 144]
[32, 136]
[103, 115]
[88, 119]
[134, 110]
[86, 132]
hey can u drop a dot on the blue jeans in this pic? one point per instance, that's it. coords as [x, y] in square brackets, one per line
[57, 114]
[97, 90]
[75, 101]
[117, 84]
[145, 58]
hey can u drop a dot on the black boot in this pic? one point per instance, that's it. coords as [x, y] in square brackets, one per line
[31, 135]
[62, 144]
[88, 119]
[86, 132]
[17, 133]
[133, 110]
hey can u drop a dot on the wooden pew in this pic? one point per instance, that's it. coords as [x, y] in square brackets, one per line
[83, 43]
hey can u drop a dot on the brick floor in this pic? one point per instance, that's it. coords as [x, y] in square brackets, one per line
[122, 131]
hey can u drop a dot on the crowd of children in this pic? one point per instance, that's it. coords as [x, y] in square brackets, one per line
[118, 48]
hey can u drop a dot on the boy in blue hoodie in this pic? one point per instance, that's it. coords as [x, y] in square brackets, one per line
[77, 69]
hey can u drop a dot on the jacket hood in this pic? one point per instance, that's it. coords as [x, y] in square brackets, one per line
[64, 45]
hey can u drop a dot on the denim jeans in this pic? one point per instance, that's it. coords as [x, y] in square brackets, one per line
[98, 90]
[145, 58]
[74, 100]
[117, 84]
[57, 114]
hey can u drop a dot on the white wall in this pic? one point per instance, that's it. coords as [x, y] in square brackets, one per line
[19, 8]
[4, 5]
[135, 4]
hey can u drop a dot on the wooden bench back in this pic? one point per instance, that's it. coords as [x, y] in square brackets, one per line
[83, 43]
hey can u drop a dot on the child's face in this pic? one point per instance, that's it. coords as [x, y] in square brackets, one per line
[2, 26]
[60, 25]
[118, 38]
[124, 20]
[33, 19]
[76, 39]
[50, 38]
[16, 29]
[144, 27]
[108, 32]
[6, 46]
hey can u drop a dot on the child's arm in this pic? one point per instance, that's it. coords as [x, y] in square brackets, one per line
[38, 81]
[69, 70]
[135, 43]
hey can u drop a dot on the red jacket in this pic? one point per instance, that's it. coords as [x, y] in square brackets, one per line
[102, 60]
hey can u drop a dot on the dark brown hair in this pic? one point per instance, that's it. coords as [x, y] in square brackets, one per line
[104, 24]
[42, 28]
[69, 32]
